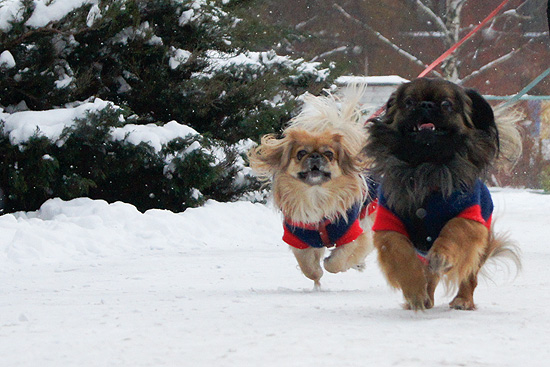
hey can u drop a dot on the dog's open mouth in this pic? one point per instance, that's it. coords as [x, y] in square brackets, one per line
[314, 176]
[422, 127]
[427, 128]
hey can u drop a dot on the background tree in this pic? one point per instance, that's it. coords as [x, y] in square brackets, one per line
[196, 62]
[368, 37]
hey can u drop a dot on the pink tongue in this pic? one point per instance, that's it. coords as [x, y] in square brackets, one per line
[426, 127]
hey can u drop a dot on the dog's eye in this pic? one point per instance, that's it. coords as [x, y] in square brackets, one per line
[329, 155]
[447, 105]
[301, 154]
[410, 103]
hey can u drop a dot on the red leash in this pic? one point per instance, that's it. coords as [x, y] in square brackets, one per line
[446, 54]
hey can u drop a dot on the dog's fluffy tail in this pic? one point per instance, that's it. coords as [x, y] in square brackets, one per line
[507, 120]
[502, 253]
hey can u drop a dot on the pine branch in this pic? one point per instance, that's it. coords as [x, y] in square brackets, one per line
[381, 37]
[42, 30]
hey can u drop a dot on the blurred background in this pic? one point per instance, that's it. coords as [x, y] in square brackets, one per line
[155, 103]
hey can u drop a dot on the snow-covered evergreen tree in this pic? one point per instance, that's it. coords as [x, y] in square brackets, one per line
[157, 61]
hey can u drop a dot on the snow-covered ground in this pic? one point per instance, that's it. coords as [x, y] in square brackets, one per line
[86, 283]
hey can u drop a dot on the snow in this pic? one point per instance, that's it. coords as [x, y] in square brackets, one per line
[186, 17]
[372, 80]
[221, 60]
[89, 283]
[7, 60]
[133, 33]
[47, 11]
[154, 135]
[178, 57]
[93, 15]
[64, 82]
[10, 10]
[20, 126]
[258, 60]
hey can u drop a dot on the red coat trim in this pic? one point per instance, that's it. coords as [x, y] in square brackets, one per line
[474, 213]
[293, 240]
[326, 233]
[351, 235]
[387, 221]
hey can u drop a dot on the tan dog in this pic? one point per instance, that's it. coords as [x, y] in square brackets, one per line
[315, 169]
[430, 151]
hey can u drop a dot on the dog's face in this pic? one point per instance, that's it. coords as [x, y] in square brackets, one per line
[435, 119]
[435, 135]
[314, 158]
[315, 174]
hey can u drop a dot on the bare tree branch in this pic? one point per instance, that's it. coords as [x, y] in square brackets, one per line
[381, 37]
[493, 63]
[306, 22]
[436, 19]
[327, 53]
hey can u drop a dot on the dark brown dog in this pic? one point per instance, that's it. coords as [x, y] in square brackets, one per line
[430, 151]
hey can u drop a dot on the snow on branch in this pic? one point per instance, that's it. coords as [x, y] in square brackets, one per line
[330, 52]
[306, 22]
[381, 37]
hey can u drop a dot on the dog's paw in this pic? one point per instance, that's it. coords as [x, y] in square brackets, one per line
[438, 263]
[415, 292]
[417, 302]
[317, 286]
[418, 305]
[335, 263]
[460, 303]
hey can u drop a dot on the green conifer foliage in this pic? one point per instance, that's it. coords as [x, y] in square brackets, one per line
[158, 61]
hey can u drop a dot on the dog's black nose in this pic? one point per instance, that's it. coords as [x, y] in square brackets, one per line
[315, 155]
[427, 105]
[315, 161]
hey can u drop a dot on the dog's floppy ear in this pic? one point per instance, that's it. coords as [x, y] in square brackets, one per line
[482, 115]
[349, 158]
[391, 100]
[383, 118]
[271, 155]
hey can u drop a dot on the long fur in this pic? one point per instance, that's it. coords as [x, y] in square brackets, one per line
[507, 118]
[313, 204]
[409, 185]
[320, 115]
[325, 122]
[502, 252]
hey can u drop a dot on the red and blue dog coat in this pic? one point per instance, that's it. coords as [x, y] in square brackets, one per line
[423, 226]
[329, 233]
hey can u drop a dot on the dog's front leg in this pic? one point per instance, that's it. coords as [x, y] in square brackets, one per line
[309, 260]
[458, 249]
[458, 253]
[403, 268]
[350, 255]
